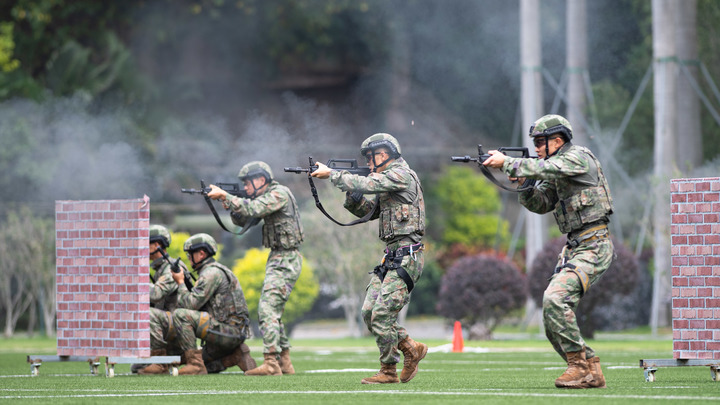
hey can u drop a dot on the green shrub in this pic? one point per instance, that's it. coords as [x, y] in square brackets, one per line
[250, 270]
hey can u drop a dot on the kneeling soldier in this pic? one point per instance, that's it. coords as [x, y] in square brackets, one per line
[214, 311]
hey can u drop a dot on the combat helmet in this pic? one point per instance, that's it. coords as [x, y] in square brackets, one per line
[381, 140]
[160, 234]
[255, 169]
[201, 241]
[551, 124]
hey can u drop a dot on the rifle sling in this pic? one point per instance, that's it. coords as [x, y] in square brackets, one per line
[527, 185]
[247, 226]
[319, 205]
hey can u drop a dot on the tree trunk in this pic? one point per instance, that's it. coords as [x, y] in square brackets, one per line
[576, 67]
[689, 145]
[531, 94]
[665, 94]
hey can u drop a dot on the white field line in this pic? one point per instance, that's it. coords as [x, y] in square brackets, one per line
[478, 393]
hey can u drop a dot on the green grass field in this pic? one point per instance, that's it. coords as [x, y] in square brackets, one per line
[329, 371]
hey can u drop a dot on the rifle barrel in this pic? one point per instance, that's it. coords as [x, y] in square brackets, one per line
[463, 159]
[193, 191]
[297, 169]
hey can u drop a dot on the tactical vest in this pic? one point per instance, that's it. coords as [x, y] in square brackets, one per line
[169, 301]
[580, 204]
[282, 229]
[228, 304]
[400, 216]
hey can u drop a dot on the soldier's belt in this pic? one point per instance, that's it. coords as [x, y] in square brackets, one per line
[404, 251]
[392, 261]
[589, 235]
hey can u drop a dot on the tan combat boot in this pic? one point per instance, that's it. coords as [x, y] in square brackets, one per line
[246, 361]
[155, 368]
[577, 373]
[269, 367]
[195, 364]
[386, 375]
[598, 380]
[285, 364]
[413, 352]
[239, 357]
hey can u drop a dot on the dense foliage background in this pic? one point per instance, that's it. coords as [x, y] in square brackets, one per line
[117, 99]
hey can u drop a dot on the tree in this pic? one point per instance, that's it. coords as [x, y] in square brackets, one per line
[480, 290]
[250, 271]
[619, 280]
[27, 246]
[468, 210]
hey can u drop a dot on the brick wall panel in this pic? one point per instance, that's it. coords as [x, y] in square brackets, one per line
[695, 237]
[102, 278]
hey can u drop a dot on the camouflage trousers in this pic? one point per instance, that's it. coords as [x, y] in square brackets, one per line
[163, 332]
[383, 302]
[580, 268]
[179, 331]
[281, 272]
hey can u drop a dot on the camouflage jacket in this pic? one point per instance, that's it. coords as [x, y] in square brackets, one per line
[399, 193]
[282, 229]
[572, 186]
[217, 292]
[163, 294]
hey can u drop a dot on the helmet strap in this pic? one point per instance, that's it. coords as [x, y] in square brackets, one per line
[202, 262]
[255, 189]
[384, 162]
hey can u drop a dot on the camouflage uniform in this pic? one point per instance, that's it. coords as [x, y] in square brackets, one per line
[163, 293]
[214, 311]
[401, 212]
[574, 188]
[163, 297]
[282, 233]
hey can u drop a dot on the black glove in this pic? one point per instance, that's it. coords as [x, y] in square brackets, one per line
[356, 196]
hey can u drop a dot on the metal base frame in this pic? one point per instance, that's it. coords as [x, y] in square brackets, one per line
[110, 361]
[651, 366]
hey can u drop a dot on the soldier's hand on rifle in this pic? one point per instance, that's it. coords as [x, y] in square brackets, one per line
[322, 172]
[179, 277]
[495, 160]
[217, 193]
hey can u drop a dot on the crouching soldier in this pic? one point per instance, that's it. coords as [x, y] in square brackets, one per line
[163, 291]
[214, 311]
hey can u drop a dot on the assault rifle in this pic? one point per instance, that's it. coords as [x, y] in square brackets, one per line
[512, 151]
[351, 165]
[175, 267]
[231, 188]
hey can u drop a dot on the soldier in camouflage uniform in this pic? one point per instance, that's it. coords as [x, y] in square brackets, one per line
[400, 208]
[163, 291]
[282, 233]
[573, 187]
[214, 311]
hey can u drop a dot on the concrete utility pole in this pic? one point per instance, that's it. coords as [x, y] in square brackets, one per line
[576, 65]
[531, 95]
[665, 110]
[689, 129]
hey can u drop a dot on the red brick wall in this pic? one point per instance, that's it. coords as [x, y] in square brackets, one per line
[695, 233]
[103, 306]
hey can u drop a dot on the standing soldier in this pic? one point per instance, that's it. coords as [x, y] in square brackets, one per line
[573, 187]
[214, 311]
[400, 207]
[283, 234]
